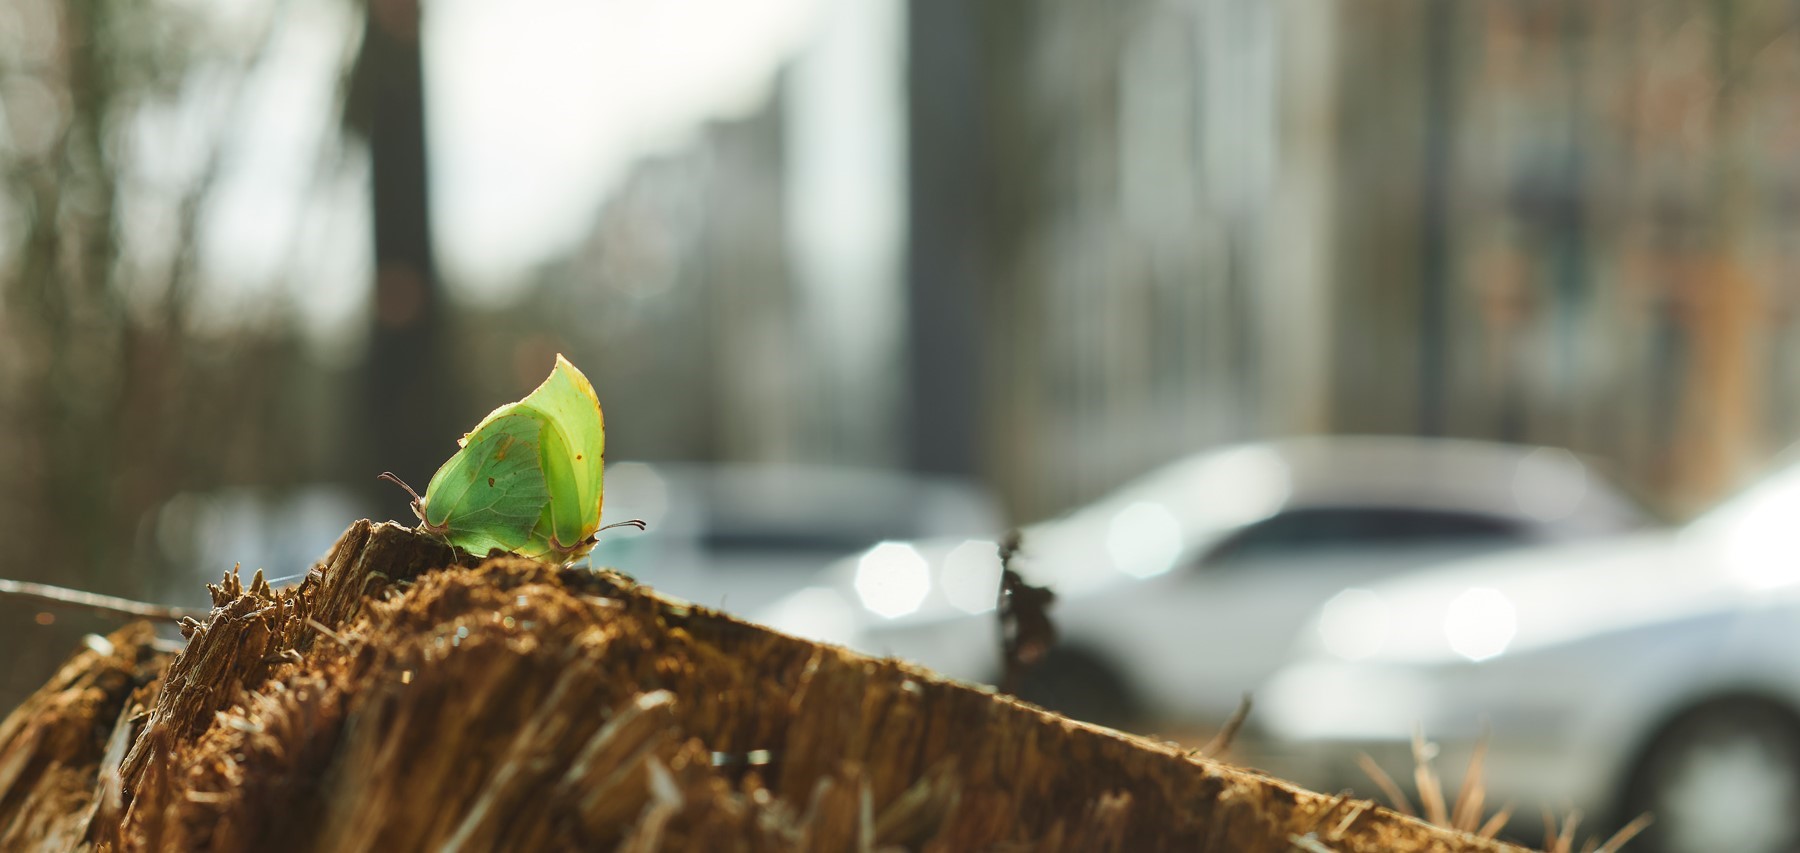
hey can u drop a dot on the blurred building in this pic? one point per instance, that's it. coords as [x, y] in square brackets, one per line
[1081, 294]
[1580, 239]
[1551, 222]
[1138, 194]
[737, 298]
[1128, 231]
[684, 309]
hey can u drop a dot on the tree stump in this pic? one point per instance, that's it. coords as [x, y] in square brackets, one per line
[403, 697]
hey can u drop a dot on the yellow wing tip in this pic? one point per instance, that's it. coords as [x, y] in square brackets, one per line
[581, 380]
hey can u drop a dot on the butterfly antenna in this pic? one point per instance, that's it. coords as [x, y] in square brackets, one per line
[389, 476]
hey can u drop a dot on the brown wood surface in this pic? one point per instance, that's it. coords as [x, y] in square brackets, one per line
[387, 705]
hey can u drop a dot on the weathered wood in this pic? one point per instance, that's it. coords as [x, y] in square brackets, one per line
[384, 705]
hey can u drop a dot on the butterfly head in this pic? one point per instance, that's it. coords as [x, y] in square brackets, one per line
[418, 503]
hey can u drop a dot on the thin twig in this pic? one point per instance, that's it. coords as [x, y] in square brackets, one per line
[110, 605]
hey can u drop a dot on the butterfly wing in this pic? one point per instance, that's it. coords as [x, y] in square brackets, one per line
[561, 532]
[492, 493]
[572, 455]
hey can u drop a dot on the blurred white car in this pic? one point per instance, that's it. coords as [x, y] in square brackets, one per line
[1658, 673]
[737, 537]
[1181, 592]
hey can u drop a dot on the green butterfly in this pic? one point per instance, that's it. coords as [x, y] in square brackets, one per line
[528, 477]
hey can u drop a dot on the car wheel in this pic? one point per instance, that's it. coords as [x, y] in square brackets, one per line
[1080, 685]
[1724, 776]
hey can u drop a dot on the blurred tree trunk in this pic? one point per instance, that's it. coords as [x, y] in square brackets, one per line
[945, 275]
[71, 351]
[1721, 397]
[114, 397]
[980, 197]
[406, 383]
[1435, 264]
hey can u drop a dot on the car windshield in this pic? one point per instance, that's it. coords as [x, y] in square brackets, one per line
[1775, 499]
[1193, 501]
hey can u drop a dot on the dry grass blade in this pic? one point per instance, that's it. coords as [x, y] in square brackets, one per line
[1626, 833]
[1222, 741]
[1566, 841]
[1350, 818]
[1325, 814]
[1395, 796]
[1472, 795]
[1431, 789]
[1309, 843]
[1465, 816]
[1496, 823]
[1562, 841]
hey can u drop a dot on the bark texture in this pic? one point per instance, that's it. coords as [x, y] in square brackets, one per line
[402, 698]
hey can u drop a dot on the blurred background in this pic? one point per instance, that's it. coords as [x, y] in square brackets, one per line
[1001, 257]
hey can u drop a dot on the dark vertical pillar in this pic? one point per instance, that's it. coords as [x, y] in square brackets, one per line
[1569, 276]
[404, 416]
[943, 263]
[1434, 261]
